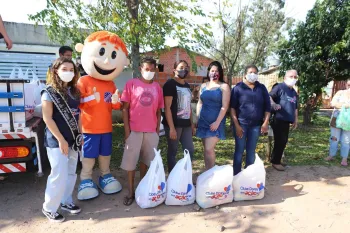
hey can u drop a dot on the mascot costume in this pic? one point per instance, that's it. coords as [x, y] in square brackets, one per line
[103, 57]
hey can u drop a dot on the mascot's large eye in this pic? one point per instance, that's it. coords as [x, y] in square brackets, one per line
[102, 51]
[114, 55]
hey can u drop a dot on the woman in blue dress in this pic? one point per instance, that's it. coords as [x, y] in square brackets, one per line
[211, 110]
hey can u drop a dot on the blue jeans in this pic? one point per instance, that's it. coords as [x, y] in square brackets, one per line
[248, 141]
[344, 138]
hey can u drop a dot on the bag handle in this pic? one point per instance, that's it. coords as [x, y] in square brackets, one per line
[187, 154]
[151, 170]
[156, 161]
[19, 72]
[187, 160]
[159, 160]
[35, 77]
[257, 159]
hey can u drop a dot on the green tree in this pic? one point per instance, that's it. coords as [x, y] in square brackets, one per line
[319, 49]
[266, 25]
[250, 34]
[141, 24]
[233, 26]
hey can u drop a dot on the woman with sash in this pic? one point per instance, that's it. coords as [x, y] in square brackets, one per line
[60, 107]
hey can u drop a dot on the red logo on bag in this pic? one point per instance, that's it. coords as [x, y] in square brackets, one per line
[182, 196]
[160, 193]
[251, 191]
[219, 195]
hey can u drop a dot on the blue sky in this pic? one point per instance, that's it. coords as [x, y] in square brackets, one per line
[18, 10]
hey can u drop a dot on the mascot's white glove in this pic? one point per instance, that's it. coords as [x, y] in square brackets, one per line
[96, 94]
[115, 97]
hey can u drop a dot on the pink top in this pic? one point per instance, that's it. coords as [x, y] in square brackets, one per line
[144, 99]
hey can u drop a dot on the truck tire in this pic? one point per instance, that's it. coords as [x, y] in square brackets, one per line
[31, 167]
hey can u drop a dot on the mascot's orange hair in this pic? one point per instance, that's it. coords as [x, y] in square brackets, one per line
[108, 36]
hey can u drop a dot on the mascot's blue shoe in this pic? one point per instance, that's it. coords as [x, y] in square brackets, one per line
[87, 190]
[108, 184]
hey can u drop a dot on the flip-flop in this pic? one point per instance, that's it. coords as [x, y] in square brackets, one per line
[128, 200]
[329, 158]
[344, 163]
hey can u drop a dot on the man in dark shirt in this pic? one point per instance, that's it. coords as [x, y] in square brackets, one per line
[284, 100]
[64, 51]
[80, 67]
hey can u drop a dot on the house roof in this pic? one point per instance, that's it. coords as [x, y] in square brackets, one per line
[270, 70]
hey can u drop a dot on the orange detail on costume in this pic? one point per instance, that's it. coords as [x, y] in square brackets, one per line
[97, 116]
[107, 36]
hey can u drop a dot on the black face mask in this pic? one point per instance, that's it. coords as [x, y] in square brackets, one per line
[182, 73]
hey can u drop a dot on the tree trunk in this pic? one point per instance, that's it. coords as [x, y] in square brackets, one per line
[229, 79]
[133, 7]
[310, 107]
[229, 82]
[135, 58]
[307, 115]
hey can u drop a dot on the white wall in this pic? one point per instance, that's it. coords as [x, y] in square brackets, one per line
[30, 48]
[29, 34]
[121, 80]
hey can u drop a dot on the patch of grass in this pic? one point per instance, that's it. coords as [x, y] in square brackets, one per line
[309, 145]
[306, 146]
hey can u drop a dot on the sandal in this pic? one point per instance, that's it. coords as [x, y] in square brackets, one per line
[128, 200]
[329, 158]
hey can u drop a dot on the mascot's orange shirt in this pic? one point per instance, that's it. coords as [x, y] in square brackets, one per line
[96, 117]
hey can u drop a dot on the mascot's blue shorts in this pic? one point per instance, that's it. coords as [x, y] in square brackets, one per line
[97, 144]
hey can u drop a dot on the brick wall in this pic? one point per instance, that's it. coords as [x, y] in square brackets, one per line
[162, 77]
[168, 59]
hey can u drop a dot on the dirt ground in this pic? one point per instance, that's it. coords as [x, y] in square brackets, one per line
[302, 199]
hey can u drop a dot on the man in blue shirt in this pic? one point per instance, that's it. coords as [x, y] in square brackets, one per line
[284, 101]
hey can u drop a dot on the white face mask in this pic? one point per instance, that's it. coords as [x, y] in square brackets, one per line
[148, 75]
[290, 81]
[65, 76]
[252, 78]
